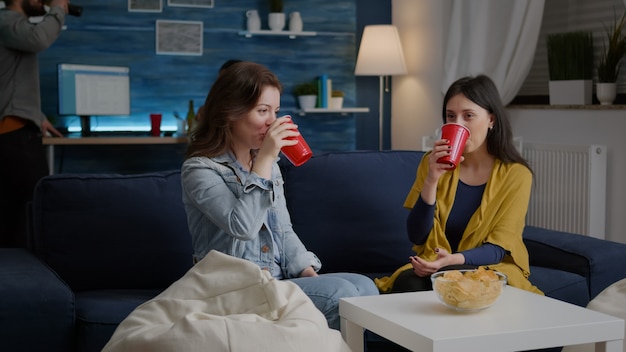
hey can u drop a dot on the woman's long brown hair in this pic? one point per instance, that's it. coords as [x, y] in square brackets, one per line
[235, 93]
[482, 91]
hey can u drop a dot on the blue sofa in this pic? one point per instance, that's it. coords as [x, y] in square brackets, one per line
[102, 244]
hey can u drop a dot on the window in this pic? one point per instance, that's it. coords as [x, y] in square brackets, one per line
[566, 16]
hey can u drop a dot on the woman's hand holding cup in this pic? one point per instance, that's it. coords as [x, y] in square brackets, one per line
[299, 152]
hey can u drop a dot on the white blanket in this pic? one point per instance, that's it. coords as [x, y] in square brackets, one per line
[225, 303]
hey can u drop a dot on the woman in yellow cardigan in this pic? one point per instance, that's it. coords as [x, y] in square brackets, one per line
[472, 215]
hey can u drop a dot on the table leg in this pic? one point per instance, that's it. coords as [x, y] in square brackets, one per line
[353, 335]
[610, 346]
[50, 156]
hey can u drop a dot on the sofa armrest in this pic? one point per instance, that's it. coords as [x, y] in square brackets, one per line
[36, 307]
[599, 261]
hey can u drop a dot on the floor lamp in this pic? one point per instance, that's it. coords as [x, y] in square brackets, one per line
[380, 54]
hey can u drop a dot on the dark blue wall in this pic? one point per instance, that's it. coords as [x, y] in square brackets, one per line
[108, 34]
[372, 12]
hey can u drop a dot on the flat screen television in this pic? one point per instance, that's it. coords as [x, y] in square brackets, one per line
[93, 90]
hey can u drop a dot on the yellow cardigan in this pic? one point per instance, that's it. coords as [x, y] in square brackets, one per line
[499, 220]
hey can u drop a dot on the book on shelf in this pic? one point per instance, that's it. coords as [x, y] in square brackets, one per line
[324, 90]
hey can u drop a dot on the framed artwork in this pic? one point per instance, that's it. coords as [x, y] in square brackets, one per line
[145, 5]
[179, 37]
[190, 3]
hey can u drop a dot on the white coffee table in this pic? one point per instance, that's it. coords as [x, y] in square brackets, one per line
[518, 321]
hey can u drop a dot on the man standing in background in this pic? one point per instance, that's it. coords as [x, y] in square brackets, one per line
[22, 124]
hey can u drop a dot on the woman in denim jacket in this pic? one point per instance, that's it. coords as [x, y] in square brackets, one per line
[233, 188]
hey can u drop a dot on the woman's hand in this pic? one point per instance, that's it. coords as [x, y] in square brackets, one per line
[435, 169]
[277, 136]
[308, 272]
[423, 268]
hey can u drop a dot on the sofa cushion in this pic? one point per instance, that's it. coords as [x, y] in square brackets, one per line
[98, 313]
[560, 284]
[107, 231]
[333, 198]
[36, 307]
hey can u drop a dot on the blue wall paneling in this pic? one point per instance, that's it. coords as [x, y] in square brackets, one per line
[108, 34]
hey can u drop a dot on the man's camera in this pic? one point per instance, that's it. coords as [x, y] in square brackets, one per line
[74, 10]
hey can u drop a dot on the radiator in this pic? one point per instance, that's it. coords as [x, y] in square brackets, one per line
[569, 187]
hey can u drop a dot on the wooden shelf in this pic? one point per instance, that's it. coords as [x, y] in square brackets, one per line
[291, 35]
[343, 111]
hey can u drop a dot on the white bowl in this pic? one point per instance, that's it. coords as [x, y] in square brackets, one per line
[468, 290]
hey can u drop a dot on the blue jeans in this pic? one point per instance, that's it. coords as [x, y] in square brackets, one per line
[326, 290]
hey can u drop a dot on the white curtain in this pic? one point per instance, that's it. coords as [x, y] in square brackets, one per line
[493, 37]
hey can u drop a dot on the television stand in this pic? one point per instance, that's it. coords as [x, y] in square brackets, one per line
[85, 125]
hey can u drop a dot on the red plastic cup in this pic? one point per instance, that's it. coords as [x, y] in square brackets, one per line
[457, 135]
[298, 154]
[155, 125]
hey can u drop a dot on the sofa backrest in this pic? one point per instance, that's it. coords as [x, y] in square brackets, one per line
[347, 207]
[105, 231]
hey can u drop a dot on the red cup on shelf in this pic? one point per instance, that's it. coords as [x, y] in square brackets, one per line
[298, 154]
[155, 125]
[457, 134]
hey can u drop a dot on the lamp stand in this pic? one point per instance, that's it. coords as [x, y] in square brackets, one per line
[380, 114]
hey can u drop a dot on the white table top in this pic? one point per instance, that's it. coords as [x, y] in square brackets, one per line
[519, 320]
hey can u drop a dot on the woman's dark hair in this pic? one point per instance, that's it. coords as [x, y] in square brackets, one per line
[235, 93]
[227, 64]
[483, 92]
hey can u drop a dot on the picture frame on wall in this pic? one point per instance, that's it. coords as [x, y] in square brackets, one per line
[145, 5]
[191, 3]
[179, 37]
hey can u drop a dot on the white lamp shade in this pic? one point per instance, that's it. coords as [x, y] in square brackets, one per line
[380, 53]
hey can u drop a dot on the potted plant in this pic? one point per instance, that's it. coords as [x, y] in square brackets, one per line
[336, 99]
[610, 61]
[276, 17]
[570, 64]
[306, 94]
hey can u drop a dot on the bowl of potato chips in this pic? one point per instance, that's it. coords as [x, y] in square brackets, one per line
[468, 290]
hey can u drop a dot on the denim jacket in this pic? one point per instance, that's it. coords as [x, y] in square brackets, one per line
[231, 216]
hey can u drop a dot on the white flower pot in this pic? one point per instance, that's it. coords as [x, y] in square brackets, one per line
[336, 102]
[276, 21]
[307, 101]
[606, 93]
[573, 92]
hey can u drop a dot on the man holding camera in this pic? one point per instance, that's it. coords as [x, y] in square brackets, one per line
[22, 123]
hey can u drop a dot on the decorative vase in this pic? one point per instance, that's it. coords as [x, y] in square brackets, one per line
[606, 93]
[253, 21]
[295, 22]
[276, 21]
[307, 101]
[336, 102]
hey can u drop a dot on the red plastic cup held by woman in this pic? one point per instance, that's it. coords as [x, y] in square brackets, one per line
[298, 154]
[457, 134]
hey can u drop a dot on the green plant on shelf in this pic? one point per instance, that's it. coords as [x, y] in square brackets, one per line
[336, 94]
[276, 6]
[570, 56]
[308, 88]
[614, 51]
